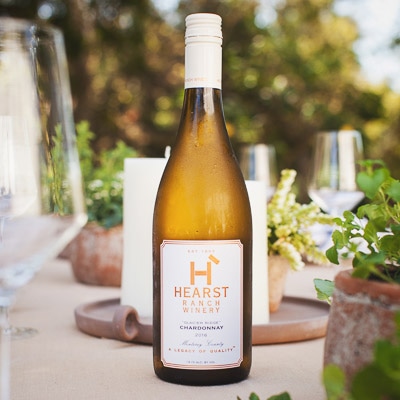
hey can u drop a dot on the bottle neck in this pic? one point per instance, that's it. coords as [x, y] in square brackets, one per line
[203, 64]
[202, 101]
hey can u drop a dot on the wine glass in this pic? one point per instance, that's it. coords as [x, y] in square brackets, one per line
[41, 198]
[335, 163]
[258, 162]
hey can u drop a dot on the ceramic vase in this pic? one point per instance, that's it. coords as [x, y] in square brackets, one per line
[278, 268]
[362, 312]
[96, 255]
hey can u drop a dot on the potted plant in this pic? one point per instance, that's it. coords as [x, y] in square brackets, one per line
[365, 298]
[289, 235]
[96, 253]
[378, 380]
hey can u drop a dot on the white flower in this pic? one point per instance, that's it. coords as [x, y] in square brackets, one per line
[96, 184]
[287, 223]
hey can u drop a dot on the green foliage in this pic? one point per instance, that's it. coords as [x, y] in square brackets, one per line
[372, 234]
[283, 79]
[378, 380]
[54, 172]
[335, 383]
[281, 396]
[56, 189]
[102, 177]
[324, 289]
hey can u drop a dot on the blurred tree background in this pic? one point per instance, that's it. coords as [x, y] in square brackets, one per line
[283, 80]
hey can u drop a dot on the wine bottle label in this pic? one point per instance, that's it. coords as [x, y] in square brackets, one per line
[203, 64]
[201, 304]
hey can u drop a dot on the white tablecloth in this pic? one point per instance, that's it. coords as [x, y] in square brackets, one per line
[63, 363]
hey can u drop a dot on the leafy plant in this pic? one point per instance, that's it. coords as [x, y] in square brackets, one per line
[379, 380]
[103, 177]
[372, 234]
[288, 224]
[281, 396]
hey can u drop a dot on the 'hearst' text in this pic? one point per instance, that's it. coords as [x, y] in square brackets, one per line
[201, 292]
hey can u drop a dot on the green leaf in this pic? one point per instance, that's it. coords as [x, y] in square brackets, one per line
[334, 382]
[369, 164]
[370, 183]
[390, 243]
[324, 289]
[371, 383]
[365, 265]
[394, 190]
[348, 218]
[370, 233]
[360, 270]
[281, 396]
[387, 358]
[333, 255]
[376, 214]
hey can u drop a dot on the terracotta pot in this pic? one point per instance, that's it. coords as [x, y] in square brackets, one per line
[278, 268]
[362, 312]
[96, 255]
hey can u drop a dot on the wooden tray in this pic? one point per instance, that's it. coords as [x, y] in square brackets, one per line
[297, 319]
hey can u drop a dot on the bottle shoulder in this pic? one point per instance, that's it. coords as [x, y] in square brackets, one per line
[203, 199]
[201, 168]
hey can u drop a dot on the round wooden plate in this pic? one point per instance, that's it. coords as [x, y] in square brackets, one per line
[297, 319]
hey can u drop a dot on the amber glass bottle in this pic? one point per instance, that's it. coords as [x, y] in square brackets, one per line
[202, 234]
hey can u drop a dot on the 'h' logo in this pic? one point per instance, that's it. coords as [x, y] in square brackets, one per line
[204, 272]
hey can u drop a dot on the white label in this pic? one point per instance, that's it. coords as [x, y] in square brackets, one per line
[201, 304]
[203, 65]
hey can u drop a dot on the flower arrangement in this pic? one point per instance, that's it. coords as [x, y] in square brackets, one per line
[288, 224]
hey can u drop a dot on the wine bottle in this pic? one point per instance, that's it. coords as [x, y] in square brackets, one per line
[202, 233]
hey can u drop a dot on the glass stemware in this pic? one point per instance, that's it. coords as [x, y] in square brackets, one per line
[332, 184]
[334, 168]
[41, 199]
[258, 162]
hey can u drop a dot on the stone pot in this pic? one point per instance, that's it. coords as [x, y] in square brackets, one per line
[278, 268]
[96, 255]
[362, 312]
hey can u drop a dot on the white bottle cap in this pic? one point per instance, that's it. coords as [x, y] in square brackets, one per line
[203, 26]
[203, 39]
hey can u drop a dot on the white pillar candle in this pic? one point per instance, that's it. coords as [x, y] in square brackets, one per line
[141, 179]
[256, 191]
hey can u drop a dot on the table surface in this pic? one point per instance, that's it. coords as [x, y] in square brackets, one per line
[61, 362]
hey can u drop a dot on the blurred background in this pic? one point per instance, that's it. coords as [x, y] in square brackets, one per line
[291, 68]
